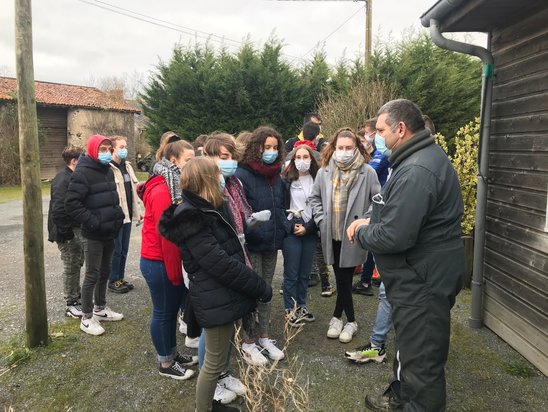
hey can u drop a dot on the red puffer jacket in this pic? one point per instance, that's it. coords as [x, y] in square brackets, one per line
[155, 195]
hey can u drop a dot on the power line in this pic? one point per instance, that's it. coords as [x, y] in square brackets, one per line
[333, 32]
[166, 24]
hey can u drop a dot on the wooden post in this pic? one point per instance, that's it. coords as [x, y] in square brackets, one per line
[33, 236]
[368, 29]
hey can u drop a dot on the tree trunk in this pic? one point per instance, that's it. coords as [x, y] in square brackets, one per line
[33, 241]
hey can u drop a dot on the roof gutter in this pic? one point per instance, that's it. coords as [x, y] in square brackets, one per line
[429, 19]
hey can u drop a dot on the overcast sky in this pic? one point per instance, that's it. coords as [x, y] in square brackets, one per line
[76, 40]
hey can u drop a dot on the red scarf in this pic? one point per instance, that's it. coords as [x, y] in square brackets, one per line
[269, 171]
[239, 207]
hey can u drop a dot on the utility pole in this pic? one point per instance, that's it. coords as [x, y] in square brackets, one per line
[368, 26]
[36, 320]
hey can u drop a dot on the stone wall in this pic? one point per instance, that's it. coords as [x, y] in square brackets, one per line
[82, 123]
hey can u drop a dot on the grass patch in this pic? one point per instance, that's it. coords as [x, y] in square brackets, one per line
[519, 369]
[11, 193]
[141, 176]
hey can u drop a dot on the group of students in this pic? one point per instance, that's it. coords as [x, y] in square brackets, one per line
[93, 202]
[212, 228]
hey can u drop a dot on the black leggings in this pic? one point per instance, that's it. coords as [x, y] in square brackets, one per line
[343, 277]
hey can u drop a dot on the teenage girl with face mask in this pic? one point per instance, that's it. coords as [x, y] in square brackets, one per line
[222, 148]
[222, 286]
[259, 172]
[300, 244]
[342, 193]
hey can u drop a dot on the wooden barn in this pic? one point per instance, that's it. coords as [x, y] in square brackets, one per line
[70, 114]
[515, 266]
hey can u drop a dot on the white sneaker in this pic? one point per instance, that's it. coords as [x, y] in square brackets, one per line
[182, 325]
[348, 331]
[335, 328]
[270, 348]
[107, 315]
[192, 342]
[231, 383]
[91, 326]
[223, 395]
[252, 355]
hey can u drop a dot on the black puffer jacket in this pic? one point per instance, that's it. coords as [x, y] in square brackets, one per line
[222, 287]
[59, 222]
[92, 200]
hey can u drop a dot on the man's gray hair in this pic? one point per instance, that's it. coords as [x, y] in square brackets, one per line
[403, 110]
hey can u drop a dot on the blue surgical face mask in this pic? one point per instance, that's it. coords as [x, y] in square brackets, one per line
[381, 145]
[270, 156]
[122, 154]
[104, 158]
[222, 182]
[227, 167]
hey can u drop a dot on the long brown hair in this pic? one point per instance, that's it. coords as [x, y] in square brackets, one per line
[176, 149]
[291, 173]
[167, 138]
[201, 176]
[215, 141]
[328, 151]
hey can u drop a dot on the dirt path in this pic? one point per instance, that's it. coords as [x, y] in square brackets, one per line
[117, 371]
[12, 282]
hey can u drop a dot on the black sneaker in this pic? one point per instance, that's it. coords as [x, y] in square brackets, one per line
[327, 290]
[363, 289]
[186, 360]
[118, 287]
[128, 285]
[74, 310]
[293, 319]
[219, 407]
[388, 401]
[314, 279]
[176, 371]
[305, 315]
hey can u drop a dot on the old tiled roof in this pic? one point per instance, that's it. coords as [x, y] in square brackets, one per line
[66, 95]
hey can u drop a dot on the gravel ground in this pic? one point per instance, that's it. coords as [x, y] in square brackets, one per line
[117, 371]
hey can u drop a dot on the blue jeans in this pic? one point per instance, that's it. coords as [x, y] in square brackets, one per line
[368, 267]
[298, 252]
[121, 246]
[166, 301]
[383, 320]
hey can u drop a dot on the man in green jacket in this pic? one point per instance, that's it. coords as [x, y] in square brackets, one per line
[414, 234]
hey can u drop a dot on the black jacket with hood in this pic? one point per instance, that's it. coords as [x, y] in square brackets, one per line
[222, 287]
[60, 224]
[92, 199]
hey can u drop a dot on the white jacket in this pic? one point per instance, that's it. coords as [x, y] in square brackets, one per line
[138, 208]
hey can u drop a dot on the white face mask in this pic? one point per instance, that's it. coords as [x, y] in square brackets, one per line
[302, 165]
[344, 156]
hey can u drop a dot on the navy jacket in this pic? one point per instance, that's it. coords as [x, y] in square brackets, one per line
[268, 236]
[222, 287]
[381, 164]
[92, 200]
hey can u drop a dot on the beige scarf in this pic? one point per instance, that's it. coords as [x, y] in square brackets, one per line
[344, 176]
